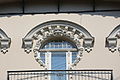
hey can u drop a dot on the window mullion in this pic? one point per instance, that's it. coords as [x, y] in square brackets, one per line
[68, 59]
[48, 60]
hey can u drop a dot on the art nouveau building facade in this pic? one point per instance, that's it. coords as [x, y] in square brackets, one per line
[78, 46]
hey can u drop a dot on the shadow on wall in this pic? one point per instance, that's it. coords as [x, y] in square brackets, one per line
[115, 14]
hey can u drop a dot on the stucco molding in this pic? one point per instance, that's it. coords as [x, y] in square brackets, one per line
[112, 40]
[54, 29]
[4, 42]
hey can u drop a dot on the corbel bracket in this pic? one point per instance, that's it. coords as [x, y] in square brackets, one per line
[111, 43]
[27, 45]
[4, 45]
[88, 43]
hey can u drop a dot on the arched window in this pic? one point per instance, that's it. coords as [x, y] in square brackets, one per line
[58, 53]
[58, 43]
[4, 41]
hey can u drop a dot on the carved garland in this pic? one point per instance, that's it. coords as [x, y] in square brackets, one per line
[58, 32]
[54, 30]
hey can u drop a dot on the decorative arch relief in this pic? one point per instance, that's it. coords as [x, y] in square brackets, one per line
[34, 40]
[4, 42]
[112, 41]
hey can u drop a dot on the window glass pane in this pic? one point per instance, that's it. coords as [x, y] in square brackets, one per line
[42, 55]
[58, 60]
[74, 55]
[58, 45]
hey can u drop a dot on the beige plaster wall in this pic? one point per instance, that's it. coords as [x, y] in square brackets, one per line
[16, 27]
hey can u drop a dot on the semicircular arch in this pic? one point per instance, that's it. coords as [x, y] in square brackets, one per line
[58, 29]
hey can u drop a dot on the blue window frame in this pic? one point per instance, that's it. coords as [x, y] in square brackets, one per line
[58, 58]
[42, 55]
[74, 55]
[58, 45]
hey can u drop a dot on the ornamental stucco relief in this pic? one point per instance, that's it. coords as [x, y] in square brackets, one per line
[75, 33]
[4, 42]
[112, 41]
